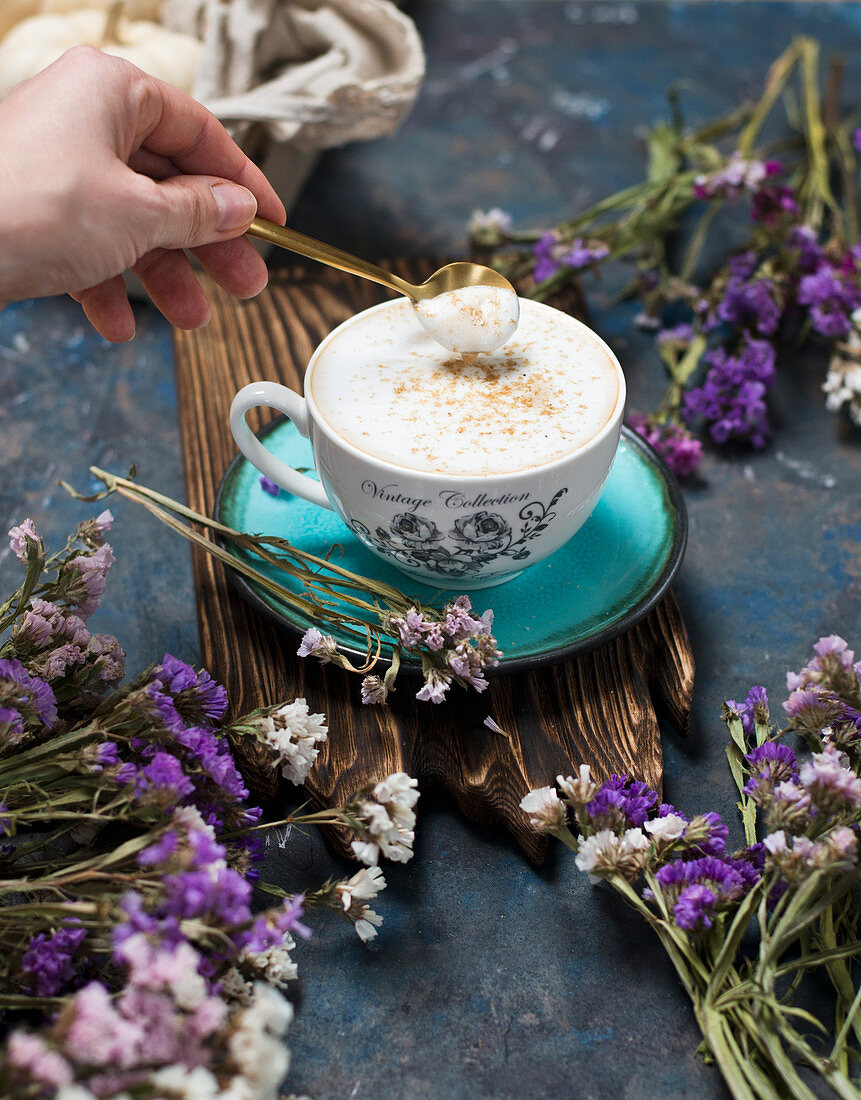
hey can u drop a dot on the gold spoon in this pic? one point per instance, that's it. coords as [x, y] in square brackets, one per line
[451, 277]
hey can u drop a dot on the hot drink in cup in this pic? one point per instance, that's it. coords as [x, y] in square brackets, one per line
[460, 472]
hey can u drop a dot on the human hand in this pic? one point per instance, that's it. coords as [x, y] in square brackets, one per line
[105, 169]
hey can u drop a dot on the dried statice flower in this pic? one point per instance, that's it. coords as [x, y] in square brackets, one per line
[737, 176]
[620, 803]
[748, 301]
[354, 895]
[577, 792]
[314, 644]
[795, 857]
[608, 853]
[842, 384]
[788, 807]
[274, 964]
[731, 399]
[675, 444]
[552, 254]
[26, 543]
[34, 1060]
[696, 889]
[547, 812]
[488, 227]
[83, 578]
[384, 820]
[49, 963]
[769, 764]
[27, 704]
[706, 834]
[291, 732]
[831, 294]
[374, 690]
[460, 646]
[667, 829]
[832, 785]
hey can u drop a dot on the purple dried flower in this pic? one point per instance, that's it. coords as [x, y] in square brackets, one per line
[194, 696]
[545, 251]
[621, 803]
[680, 335]
[750, 305]
[269, 486]
[681, 452]
[770, 764]
[831, 784]
[771, 205]
[48, 963]
[84, 577]
[732, 396]
[728, 880]
[29, 696]
[583, 253]
[163, 779]
[831, 295]
[694, 908]
[707, 834]
[161, 851]
[374, 690]
[25, 543]
[314, 644]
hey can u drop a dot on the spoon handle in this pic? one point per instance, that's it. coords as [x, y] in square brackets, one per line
[327, 254]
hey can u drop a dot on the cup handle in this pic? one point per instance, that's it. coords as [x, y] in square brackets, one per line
[274, 396]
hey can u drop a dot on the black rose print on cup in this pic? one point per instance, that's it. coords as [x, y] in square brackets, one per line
[415, 540]
[413, 530]
[482, 531]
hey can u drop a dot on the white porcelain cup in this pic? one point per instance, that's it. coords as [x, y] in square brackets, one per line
[442, 529]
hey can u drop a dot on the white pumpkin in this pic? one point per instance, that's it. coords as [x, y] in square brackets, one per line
[132, 9]
[34, 43]
[14, 11]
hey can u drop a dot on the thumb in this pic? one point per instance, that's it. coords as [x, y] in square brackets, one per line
[195, 210]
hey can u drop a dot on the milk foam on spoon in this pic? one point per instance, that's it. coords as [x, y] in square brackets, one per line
[471, 320]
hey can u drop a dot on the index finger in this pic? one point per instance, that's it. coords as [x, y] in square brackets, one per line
[171, 124]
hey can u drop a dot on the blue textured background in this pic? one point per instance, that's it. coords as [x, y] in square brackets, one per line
[490, 979]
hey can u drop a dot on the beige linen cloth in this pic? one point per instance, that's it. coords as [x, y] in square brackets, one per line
[302, 75]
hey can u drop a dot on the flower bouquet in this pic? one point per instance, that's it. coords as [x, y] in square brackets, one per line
[721, 319]
[140, 953]
[747, 931]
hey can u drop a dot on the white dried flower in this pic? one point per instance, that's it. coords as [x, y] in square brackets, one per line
[547, 813]
[234, 987]
[256, 1046]
[180, 1083]
[606, 852]
[666, 828]
[577, 791]
[274, 964]
[489, 219]
[842, 384]
[294, 733]
[355, 893]
[387, 825]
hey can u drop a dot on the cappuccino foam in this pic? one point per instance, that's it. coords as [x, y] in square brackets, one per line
[386, 386]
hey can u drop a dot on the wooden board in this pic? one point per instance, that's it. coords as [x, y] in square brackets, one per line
[598, 709]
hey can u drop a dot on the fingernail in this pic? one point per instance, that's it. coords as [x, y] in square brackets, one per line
[236, 206]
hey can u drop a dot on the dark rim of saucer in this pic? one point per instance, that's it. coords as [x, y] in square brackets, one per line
[551, 656]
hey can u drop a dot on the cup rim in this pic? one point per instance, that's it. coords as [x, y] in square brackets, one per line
[612, 425]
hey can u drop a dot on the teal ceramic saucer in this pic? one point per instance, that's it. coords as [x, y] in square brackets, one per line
[613, 572]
